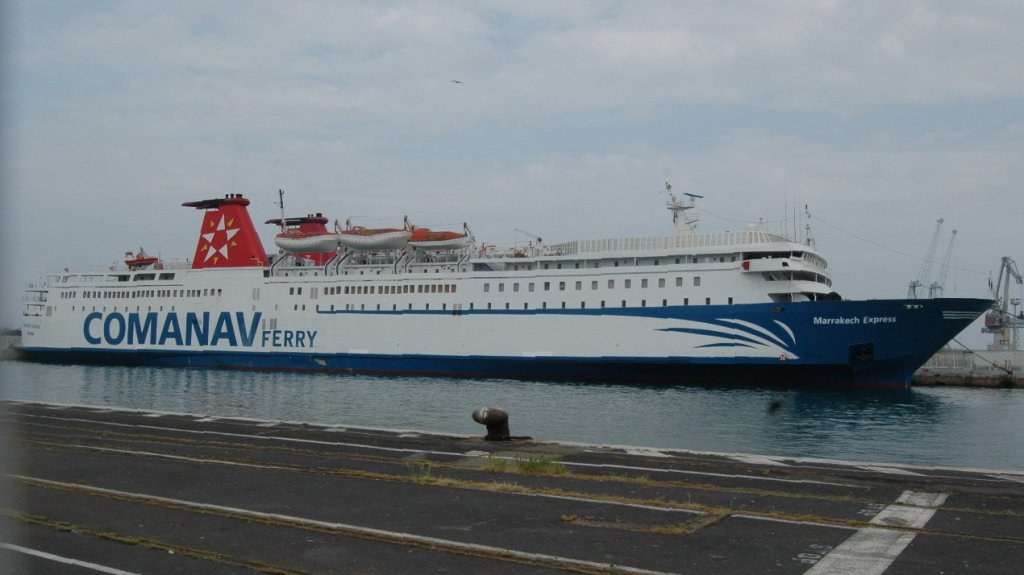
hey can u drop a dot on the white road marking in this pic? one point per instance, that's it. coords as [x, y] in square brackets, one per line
[441, 544]
[871, 550]
[202, 460]
[889, 470]
[649, 470]
[1017, 478]
[759, 460]
[921, 499]
[644, 452]
[64, 560]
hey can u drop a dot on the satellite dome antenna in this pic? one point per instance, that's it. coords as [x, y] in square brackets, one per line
[683, 223]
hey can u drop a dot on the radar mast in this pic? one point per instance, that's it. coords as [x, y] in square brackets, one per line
[683, 223]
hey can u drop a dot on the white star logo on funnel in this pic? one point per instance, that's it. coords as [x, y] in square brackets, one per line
[227, 234]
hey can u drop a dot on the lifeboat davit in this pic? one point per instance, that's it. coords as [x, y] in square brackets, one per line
[360, 238]
[141, 260]
[427, 239]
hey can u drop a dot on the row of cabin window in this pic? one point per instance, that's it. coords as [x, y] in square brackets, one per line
[627, 284]
[452, 288]
[384, 290]
[458, 307]
[629, 262]
[146, 293]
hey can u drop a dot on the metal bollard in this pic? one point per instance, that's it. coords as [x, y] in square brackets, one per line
[496, 420]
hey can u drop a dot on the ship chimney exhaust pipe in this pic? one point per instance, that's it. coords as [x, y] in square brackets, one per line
[496, 420]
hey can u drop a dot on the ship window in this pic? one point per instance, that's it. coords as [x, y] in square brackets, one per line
[470, 306]
[501, 287]
[298, 291]
[616, 263]
[643, 303]
[563, 305]
[561, 286]
[530, 286]
[707, 301]
[623, 303]
[143, 277]
[643, 283]
[730, 301]
[696, 281]
[611, 284]
[664, 302]
[679, 282]
[686, 301]
[559, 266]
[487, 288]
[593, 285]
[579, 285]
[602, 303]
[166, 276]
[506, 305]
[488, 305]
[628, 283]
[515, 287]
[545, 266]
[583, 305]
[547, 286]
[661, 282]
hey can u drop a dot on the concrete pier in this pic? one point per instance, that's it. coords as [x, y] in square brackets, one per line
[973, 368]
[138, 492]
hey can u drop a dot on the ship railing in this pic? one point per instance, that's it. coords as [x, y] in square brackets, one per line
[663, 243]
[116, 267]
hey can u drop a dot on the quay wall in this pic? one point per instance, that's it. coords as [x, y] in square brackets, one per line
[973, 368]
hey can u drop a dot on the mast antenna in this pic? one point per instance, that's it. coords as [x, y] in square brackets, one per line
[280, 204]
[685, 225]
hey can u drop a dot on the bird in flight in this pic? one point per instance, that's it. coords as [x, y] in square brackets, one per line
[456, 81]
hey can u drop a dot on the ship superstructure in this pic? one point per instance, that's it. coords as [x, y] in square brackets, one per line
[751, 307]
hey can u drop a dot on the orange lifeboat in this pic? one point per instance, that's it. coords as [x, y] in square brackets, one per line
[141, 260]
[306, 237]
[362, 238]
[427, 239]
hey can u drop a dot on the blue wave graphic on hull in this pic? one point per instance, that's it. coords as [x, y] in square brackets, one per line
[739, 333]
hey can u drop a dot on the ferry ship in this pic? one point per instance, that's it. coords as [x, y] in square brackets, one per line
[746, 307]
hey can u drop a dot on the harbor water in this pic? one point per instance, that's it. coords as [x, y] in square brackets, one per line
[951, 427]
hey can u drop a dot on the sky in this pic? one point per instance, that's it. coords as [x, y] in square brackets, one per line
[880, 116]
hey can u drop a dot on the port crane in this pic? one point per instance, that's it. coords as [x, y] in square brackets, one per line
[939, 285]
[1000, 320]
[926, 268]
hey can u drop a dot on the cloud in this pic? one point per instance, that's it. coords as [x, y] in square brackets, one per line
[882, 116]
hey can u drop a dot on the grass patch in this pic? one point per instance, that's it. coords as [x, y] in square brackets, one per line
[540, 466]
[496, 464]
[421, 472]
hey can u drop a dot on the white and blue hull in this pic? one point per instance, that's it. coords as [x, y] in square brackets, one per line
[748, 307]
[875, 342]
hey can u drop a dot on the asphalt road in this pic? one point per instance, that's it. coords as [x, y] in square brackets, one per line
[97, 490]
